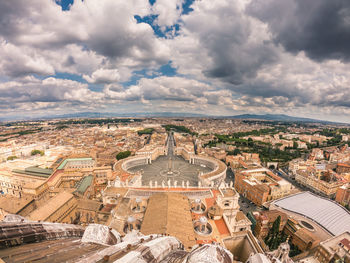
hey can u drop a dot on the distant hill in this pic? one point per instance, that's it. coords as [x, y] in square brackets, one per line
[104, 115]
[168, 114]
[278, 117]
[267, 117]
[132, 114]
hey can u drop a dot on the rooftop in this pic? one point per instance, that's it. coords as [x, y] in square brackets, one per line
[332, 244]
[169, 213]
[64, 163]
[331, 216]
[35, 171]
[12, 204]
[52, 242]
[44, 212]
[84, 183]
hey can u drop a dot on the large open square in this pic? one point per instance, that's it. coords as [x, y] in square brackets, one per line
[171, 167]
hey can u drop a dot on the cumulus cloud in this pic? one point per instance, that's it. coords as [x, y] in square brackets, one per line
[103, 76]
[301, 81]
[161, 88]
[219, 41]
[15, 62]
[253, 55]
[320, 28]
[106, 27]
[43, 92]
[168, 12]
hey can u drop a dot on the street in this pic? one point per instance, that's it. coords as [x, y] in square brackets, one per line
[285, 175]
[245, 205]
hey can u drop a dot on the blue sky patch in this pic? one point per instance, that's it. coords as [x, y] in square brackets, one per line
[186, 7]
[65, 4]
[157, 29]
[62, 75]
[165, 70]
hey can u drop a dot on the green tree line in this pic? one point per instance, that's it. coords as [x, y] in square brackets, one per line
[122, 155]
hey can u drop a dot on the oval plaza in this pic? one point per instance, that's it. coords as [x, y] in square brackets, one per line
[171, 165]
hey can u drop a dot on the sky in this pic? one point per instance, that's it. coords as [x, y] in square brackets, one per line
[217, 57]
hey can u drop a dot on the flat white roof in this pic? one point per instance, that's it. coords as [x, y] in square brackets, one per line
[330, 215]
[283, 182]
[250, 182]
[263, 169]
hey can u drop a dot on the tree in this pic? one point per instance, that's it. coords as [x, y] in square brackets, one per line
[273, 238]
[35, 152]
[61, 127]
[236, 151]
[309, 146]
[145, 131]
[250, 142]
[295, 145]
[294, 250]
[10, 158]
[180, 128]
[122, 155]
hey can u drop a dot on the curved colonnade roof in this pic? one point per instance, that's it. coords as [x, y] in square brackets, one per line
[330, 215]
[221, 167]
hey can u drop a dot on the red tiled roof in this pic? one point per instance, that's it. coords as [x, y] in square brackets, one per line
[274, 176]
[221, 226]
[206, 241]
[344, 165]
[55, 174]
[242, 163]
[173, 189]
[210, 202]
[346, 243]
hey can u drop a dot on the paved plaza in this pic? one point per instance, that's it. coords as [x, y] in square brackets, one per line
[181, 170]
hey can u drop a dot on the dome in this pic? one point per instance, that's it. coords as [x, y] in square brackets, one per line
[202, 226]
[203, 220]
[215, 212]
[197, 206]
[131, 219]
[210, 253]
[100, 234]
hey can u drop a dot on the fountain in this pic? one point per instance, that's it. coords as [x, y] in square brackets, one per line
[203, 227]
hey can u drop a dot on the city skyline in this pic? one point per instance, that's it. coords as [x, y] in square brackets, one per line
[184, 56]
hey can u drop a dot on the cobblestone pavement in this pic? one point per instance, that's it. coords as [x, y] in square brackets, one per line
[182, 171]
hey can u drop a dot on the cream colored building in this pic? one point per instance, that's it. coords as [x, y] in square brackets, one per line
[59, 208]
